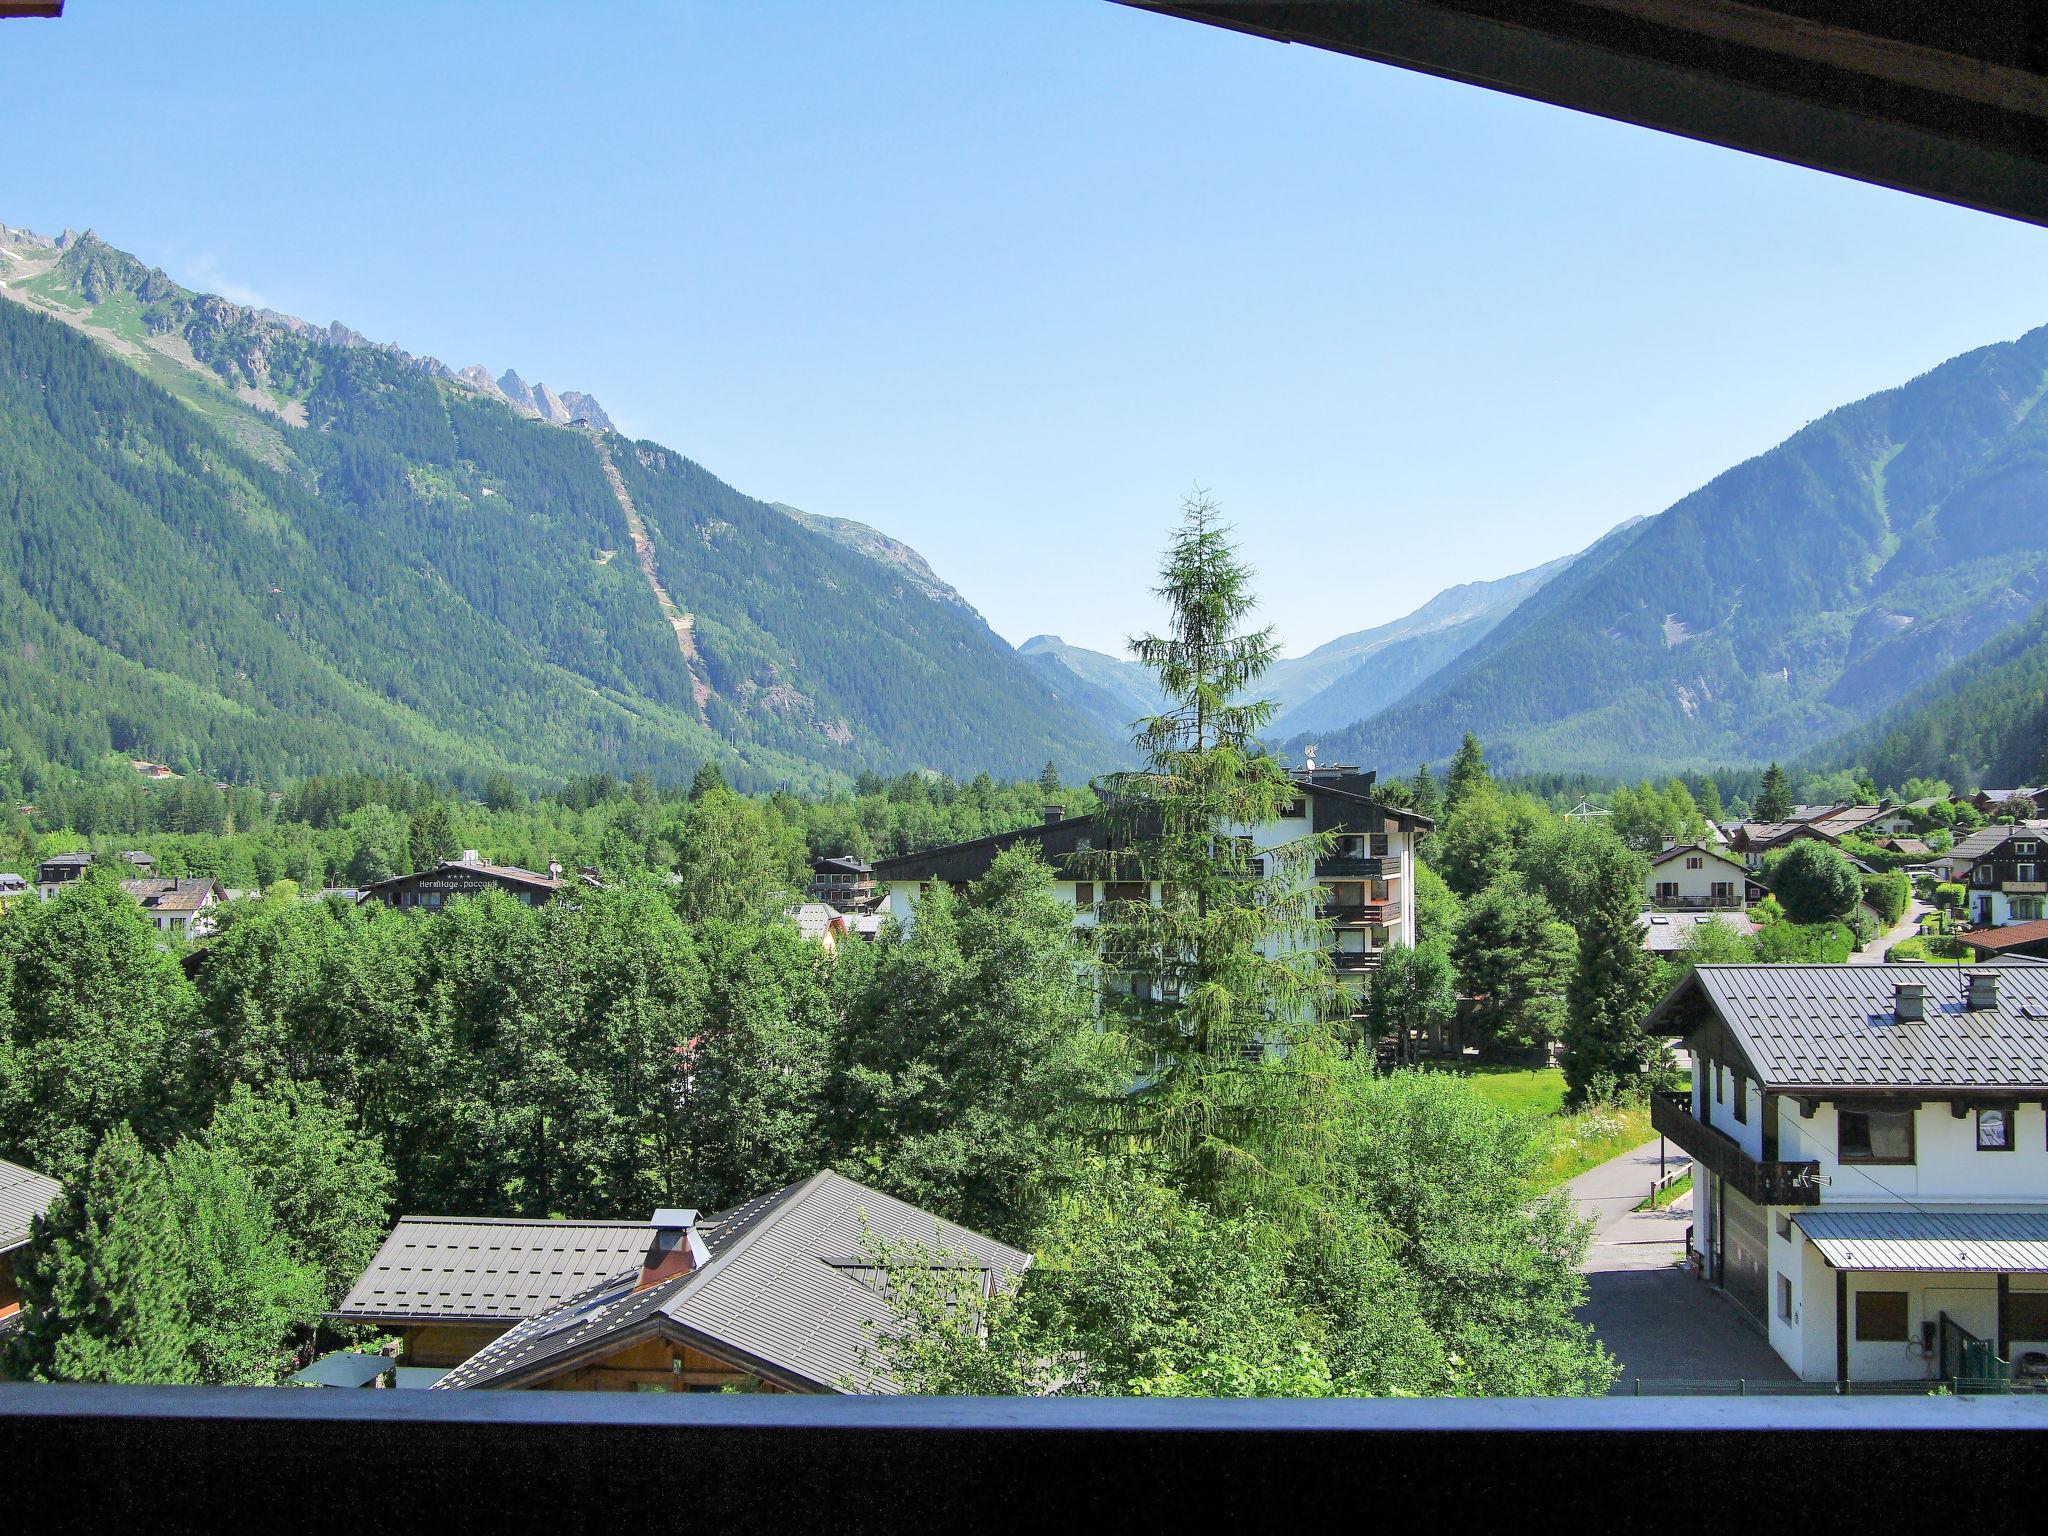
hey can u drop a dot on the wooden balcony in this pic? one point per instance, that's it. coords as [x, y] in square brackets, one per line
[1384, 914]
[1356, 867]
[1764, 1183]
[1350, 962]
[1733, 903]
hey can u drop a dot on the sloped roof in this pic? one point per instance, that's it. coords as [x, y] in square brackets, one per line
[1987, 840]
[464, 1269]
[1832, 1026]
[2012, 936]
[1974, 1242]
[1664, 932]
[510, 873]
[782, 1292]
[813, 919]
[24, 1195]
[1719, 854]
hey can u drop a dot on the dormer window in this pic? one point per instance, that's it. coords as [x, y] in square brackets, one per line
[1695, 862]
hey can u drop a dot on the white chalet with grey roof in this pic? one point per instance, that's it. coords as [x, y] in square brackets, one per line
[1870, 1148]
[24, 1195]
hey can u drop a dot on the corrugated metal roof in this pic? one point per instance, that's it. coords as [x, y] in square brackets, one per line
[454, 1269]
[24, 1195]
[780, 1289]
[1976, 1242]
[1822, 1026]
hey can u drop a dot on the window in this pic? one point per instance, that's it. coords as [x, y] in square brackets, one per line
[1667, 890]
[1874, 1136]
[1724, 890]
[1784, 1226]
[1084, 893]
[1984, 874]
[1881, 1317]
[1294, 808]
[2026, 1316]
[2026, 849]
[1994, 1128]
[1784, 1299]
[1379, 845]
[2024, 873]
[1741, 1100]
[1720, 1088]
[1694, 861]
[1127, 890]
[2026, 908]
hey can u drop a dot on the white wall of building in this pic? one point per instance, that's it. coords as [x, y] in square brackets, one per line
[1696, 886]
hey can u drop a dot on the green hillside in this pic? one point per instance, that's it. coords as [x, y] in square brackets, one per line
[1983, 721]
[252, 549]
[1783, 603]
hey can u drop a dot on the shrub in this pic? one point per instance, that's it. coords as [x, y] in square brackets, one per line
[1813, 883]
[1887, 895]
[1950, 894]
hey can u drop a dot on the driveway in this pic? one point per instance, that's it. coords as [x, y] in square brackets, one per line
[1664, 1327]
[1908, 926]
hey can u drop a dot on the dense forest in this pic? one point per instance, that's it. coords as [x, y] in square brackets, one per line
[418, 578]
[1783, 603]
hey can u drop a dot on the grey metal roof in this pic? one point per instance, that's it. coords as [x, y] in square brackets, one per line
[24, 1195]
[779, 1292]
[1822, 1026]
[1984, 840]
[459, 1269]
[1665, 932]
[1996, 1242]
[342, 1368]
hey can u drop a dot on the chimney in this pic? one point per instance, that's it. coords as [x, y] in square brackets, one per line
[1055, 813]
[471, 856]
[554, 869]
[1983, 990]
[1909, 1001]
[676, 1249]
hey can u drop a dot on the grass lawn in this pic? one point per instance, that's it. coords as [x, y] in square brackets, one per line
[1570, 1143]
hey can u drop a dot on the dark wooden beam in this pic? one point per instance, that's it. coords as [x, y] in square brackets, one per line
[1948, 101]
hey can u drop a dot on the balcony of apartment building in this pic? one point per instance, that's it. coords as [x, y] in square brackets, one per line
[1725, 896]
[1358, 856]
[1762, 1182]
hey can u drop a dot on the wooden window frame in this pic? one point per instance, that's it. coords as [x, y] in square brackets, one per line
[1084, 893]
[1912, 1157]
[2011, 1113]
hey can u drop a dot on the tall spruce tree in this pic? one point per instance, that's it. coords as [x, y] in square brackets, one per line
[1774, 797]
[1614, 984]
[1227, 980]
[1468, 772]
[104, 1280]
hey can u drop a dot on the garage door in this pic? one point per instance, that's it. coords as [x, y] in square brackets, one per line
[1745, 1252]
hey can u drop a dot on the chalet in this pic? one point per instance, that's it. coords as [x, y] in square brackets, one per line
[845, 883]
[819, 923]
[1849, 821]
[431, 889]
[778, 1293]
[1665, 933]
[1692, 877]
[1870, 1147]
[2004, 870]
[142, 863]
[60, 870]
[1904, 820]
[24, 1195]
[182, 908]
[1366, 882]
[1906, 848]
[14, 890]
[1754, 839]
[2010, 803]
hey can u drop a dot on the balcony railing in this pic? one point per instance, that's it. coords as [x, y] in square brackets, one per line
[1351, 961]
[1370, 913]
[1733, 903]
[1356, 866]
[1764, 1183]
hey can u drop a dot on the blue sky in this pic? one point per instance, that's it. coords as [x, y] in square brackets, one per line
[1006, 279]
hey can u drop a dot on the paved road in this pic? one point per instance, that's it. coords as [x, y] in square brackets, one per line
[1909, 925]
[1659, 1322]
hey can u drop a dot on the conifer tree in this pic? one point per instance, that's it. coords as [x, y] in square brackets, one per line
[1234, 945]
[1774, 798]
[1709, 799]
[1614, 984]
[1429, 800]
[104, 1282]
[1468, 772]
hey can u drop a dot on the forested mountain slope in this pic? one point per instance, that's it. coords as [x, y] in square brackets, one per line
[1788, 599]
[378, 565]
[1983, 721]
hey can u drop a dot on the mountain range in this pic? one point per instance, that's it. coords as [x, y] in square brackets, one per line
[1778, 608]
[255, 547]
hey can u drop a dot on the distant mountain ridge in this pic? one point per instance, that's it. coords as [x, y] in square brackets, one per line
[1118, 691]
[1790, 598]
[231, 337]
[884, 549]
